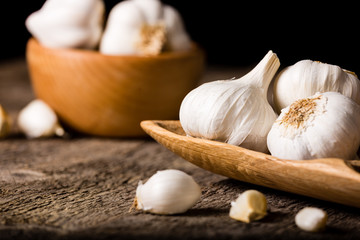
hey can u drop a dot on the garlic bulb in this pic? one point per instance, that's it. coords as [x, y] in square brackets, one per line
[38, 120]
[307, 77]
[167, 192]
[250, 206]
[233, 111]
[311, 219]
[143, 27]
[326, 125]
[68, 23]
[5, 123]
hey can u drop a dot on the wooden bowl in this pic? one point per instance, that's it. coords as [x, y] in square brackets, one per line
[110, 95]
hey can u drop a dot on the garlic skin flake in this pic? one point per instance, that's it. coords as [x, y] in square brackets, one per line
[5, 123]
[68, 23]
[167, 192]
[143, 27]
[250, 206]
[311, 219]
[306, 77]
[38, 120]
[326, 125]
[233, 111]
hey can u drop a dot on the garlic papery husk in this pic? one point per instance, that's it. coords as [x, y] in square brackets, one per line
[5, 123]
[167, 192]
[305, 78]
[143, 27]
[38, 120]
[326, 125]
[68, 23]
[233, 111]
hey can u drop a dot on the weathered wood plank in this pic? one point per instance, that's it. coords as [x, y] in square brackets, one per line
[83, 188]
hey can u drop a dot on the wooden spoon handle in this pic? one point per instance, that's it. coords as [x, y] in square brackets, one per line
[327, 179]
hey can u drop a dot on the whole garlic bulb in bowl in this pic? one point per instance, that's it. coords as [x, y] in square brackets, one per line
[110, 94]
[144, 27]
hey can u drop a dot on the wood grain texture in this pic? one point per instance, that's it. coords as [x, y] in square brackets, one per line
[83, 187]
[327, 179]
[109, 95]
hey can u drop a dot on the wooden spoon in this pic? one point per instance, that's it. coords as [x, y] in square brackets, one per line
[328, 179]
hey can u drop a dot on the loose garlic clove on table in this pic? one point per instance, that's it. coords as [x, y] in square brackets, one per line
[38, 120]
[167, 192]
[250, 206]
[311, 219]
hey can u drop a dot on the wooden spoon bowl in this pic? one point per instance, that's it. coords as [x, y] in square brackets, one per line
[328, 179]
[110, 95]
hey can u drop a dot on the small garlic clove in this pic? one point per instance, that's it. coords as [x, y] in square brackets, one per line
[250, 206]
[38, 120]
[167, 192]
[5, 123]
[311, 219]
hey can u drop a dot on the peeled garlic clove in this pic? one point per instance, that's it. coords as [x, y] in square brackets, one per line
[143, 27]
[68, 23]
[311, 219]
[233, 111]
[5, 123]
[305, 78]
[250, 206]
[167, 192]
[326, 125]
[38, 120]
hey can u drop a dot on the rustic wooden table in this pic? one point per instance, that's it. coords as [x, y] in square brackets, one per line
[83, 187]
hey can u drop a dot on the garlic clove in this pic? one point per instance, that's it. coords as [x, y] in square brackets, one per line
[233, 111]
[306, 77]
[38, 120]
[311, 219]
[5, 123]
[326, 125]
[250, 206]
[68, 23]
[167, 192]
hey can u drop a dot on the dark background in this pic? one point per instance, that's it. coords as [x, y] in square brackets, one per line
[238, 33]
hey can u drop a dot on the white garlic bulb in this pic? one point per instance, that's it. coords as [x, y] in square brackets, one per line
[311, 219]
[68, 23]
[5, 123]
[305, 78]
[38, 120]
[233, 111]
[167, 192]
[250, 206]
[326, 125]
[143, 27]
